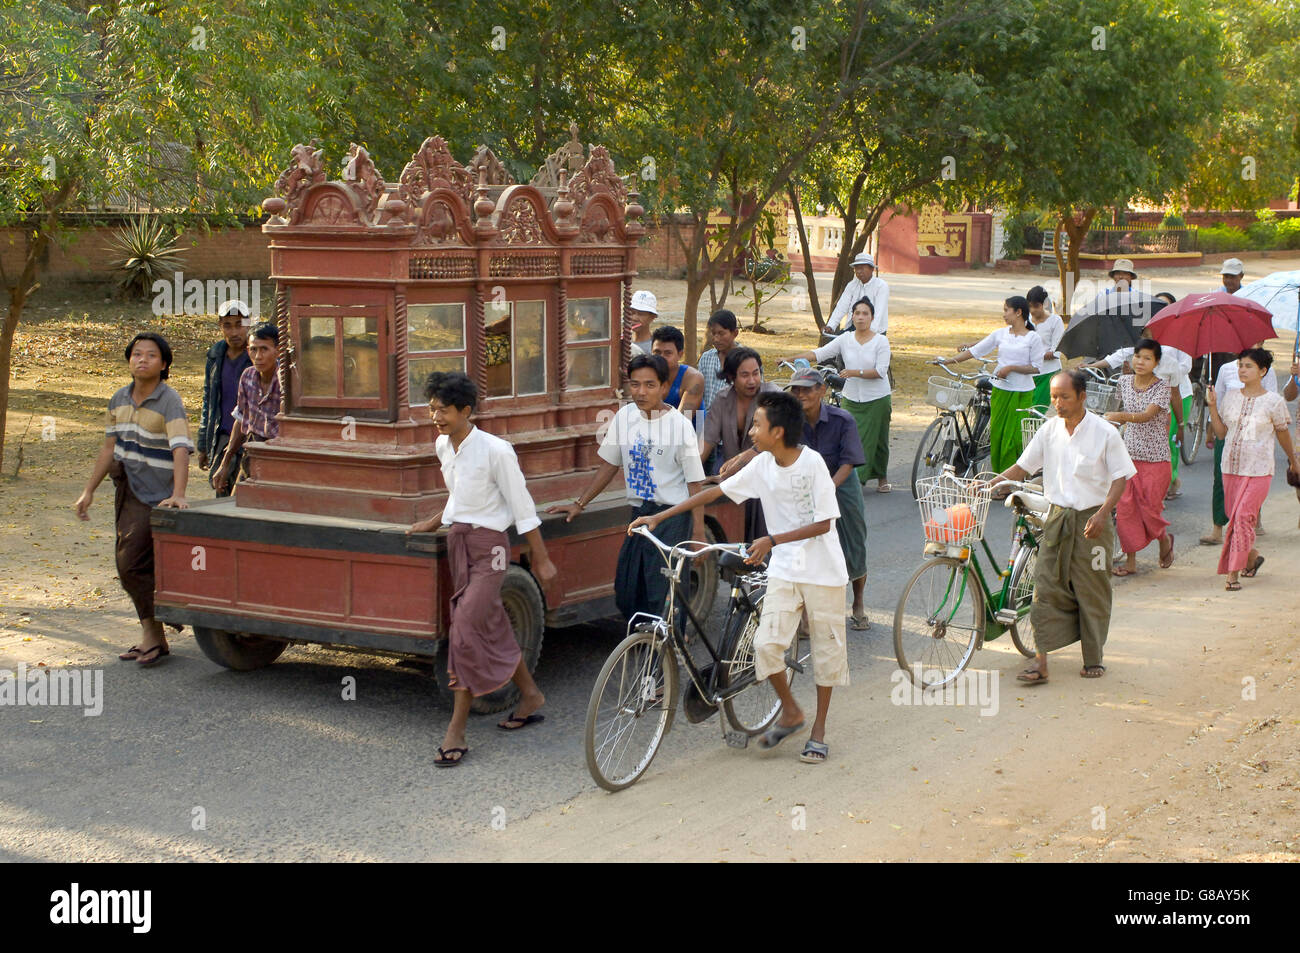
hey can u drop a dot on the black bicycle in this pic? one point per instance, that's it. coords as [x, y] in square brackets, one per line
[959, 437]
[635, 696]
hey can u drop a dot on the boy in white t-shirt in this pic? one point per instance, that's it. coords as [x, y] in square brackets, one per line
[656, 448]
[799, 502]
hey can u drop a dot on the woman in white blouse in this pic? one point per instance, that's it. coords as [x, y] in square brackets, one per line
[865, 354]
[1051, 329]
[1250, 418]
[1020, 357]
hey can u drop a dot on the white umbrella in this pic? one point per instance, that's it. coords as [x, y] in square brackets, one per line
[1280, 293]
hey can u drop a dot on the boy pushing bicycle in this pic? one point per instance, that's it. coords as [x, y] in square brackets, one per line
[807, 573]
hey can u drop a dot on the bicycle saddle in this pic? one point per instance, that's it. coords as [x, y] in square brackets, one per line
[1033, 502]
[735, 563]
[984, 385]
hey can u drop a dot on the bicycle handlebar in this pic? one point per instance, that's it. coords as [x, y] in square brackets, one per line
[982, 372]
[689, 553]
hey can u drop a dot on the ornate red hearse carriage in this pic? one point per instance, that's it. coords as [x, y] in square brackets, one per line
[457, 267]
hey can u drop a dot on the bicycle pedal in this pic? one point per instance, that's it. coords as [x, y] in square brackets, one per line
[736, 739]
[1006, 616]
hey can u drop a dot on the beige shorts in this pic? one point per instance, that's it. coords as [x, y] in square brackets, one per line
[783, 607]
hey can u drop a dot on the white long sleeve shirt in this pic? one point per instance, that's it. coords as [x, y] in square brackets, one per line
[484, 483]
[877, 290]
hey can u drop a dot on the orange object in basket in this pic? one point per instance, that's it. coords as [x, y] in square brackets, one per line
[950, 525]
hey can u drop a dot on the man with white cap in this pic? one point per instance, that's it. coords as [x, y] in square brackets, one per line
[865, 284]
[226, 362]
[644, 309]
[1231, 273]
[1123, 276]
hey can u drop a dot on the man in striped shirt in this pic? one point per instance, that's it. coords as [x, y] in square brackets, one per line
[146, 450]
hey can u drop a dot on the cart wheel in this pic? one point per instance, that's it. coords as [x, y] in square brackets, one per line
[704, 580]
[526, 610]
[238, 650]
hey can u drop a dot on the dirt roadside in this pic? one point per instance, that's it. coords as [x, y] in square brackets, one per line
[1187, 750]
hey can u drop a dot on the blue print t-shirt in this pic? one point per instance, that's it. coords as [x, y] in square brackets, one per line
[659, 455]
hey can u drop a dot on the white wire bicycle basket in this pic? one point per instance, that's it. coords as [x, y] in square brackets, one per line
[1101, 398]
[1030, 424]
[953, 510]
[948, 394]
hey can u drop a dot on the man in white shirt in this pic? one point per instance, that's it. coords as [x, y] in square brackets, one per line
[865, 284]
[1085, 468]
[643, 310]
[656, 449]
[807, 573]
[485, 494]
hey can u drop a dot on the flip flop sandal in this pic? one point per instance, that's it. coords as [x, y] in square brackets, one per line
[859, 623]
[1092, 671]
[777, 734]
[131, 654]
[1038, 678]
[1254, 568]
[524, 721]
[443, 761]
[1123, 571]
[886, 488]
[1210, 541]
[1232, 586]
[152, 656]
[1167, 561]
[814, 752]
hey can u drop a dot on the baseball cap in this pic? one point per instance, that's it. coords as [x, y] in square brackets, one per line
[806, 377]
[1233, 266]
[863, 259]
[233, 306]
[645, 301]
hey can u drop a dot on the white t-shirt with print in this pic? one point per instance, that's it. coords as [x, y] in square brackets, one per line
[794, 497]
[659, 455]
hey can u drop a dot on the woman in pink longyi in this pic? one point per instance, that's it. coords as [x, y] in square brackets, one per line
[1250, 417]
[1139, 517]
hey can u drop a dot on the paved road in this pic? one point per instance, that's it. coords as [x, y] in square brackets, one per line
[283, 768]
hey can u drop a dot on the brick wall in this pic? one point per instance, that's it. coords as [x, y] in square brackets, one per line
[660, 254]
[84, 256]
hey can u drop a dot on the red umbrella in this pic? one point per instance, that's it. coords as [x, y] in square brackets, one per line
[1215, 321]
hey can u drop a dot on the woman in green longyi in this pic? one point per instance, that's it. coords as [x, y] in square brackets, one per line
[1020, 357]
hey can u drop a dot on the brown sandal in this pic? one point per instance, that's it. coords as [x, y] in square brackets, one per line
[1168, 560]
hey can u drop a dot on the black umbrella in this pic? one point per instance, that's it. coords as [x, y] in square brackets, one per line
[1109, 323]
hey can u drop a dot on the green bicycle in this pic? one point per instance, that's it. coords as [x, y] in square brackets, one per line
[948, 610]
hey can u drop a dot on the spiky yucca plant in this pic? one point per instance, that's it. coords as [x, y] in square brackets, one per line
[150, 254]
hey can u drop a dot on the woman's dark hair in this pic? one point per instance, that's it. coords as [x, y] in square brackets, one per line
[266, 331]
[1148, 344]
[735, 357]
[164, 349]
[864, 300]
[1018, 303]
[1036, 295]
[652, 361]
[725, 319]
[783, 410]
[1169, 298]
[672, 335]
[451, 389]
[1262, 357]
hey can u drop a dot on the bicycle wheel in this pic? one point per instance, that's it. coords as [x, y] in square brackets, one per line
[981, 440]
[1194, 434]
[754, 709]
[938, 622]
[932, 452]
[1021, 590]
[630, 709]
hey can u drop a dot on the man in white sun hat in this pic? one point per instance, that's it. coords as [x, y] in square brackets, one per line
[866, 283]
[644, 309]
[1231, 273]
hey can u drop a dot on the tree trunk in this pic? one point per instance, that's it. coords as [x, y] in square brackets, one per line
[1076, 225]
[802, 231]
[21, 290]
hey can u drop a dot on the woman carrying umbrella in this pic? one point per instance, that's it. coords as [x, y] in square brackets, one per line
[1144, 399]
[1248, 421]
[1020, 357]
